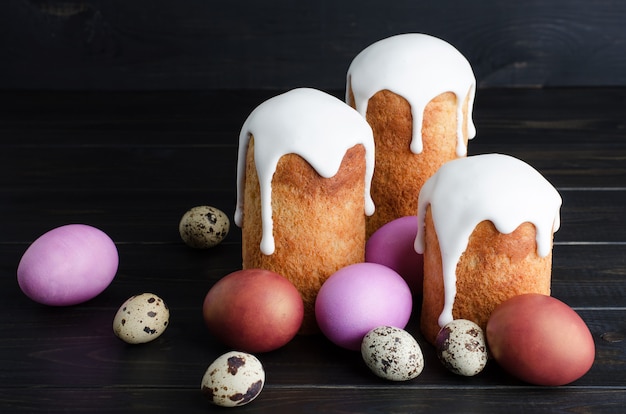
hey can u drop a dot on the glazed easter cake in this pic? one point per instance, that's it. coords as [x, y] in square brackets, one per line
[417, 93]
[485, 227]
[304, 173]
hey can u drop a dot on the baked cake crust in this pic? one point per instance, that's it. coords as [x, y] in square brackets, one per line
[308, 212]
[493, 268]
[399, 174]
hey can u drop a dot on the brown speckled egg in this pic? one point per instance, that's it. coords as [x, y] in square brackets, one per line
[233, 379]
[142, 318]
[392, 353]
[461, 347]
[203, 227]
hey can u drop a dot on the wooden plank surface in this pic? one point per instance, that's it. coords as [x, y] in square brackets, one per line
[132, 163]
[188, 44]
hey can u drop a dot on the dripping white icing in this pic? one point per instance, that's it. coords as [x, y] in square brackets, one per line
[419, 68]
[310, 123]
[494, 187]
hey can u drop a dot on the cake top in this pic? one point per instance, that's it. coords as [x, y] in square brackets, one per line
[419, 68]
[494, 187]
[310, 123]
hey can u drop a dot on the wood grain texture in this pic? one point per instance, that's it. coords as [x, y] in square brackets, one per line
[93, 44]
[132, 163]
[322, 400]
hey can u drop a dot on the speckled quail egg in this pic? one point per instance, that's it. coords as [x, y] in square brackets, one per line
[142, 318]
[203, 227]
[392, 353]
[233, 379]
[462, 348]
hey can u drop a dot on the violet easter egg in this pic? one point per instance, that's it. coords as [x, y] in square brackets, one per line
[392, 245]
[359, 298]
[68, 265]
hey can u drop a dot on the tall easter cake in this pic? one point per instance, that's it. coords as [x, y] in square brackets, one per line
[485, 227]
[304, 173]
[417, 93]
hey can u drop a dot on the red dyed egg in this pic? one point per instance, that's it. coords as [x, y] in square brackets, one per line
[253, 310]
[540, 340]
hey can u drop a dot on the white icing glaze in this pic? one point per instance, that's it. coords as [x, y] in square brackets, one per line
[417, 67]
[494, 187]
[310, 123]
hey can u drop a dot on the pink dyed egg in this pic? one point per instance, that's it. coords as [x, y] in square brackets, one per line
[68, 265]
[359, 298]
[392, 245]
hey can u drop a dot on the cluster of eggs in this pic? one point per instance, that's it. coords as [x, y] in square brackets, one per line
[536, 338]
[73, 263]
[362, 307]
[366, 307]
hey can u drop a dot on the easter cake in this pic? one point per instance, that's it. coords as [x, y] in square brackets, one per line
[304, 171]
[417, 92]
[485, 227]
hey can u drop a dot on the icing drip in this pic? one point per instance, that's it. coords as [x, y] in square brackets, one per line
[419, 68]
[494, 187]
[312, 124]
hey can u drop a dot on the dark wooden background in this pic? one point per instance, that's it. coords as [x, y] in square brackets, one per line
[208, 44]
[124, 113]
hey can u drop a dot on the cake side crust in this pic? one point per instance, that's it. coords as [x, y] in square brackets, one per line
[319, 223]
[493, 268]
[399, 174]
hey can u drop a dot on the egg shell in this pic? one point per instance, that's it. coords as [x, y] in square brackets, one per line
[359, 298]
[142, 318]
[540, 339]
[233, 379]
[68, 265]
[392, 353]
[393, 245]
[253, 310]
[203, 227]
[462, 348]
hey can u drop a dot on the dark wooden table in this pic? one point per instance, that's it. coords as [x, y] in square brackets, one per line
[133, 163]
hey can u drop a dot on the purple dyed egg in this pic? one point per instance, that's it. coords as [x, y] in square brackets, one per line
[392, 245]
[359, 298]
[68, 265]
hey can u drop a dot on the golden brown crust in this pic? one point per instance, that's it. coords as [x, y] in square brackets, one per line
[400, 174]
[319, 223]
[493, 268]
